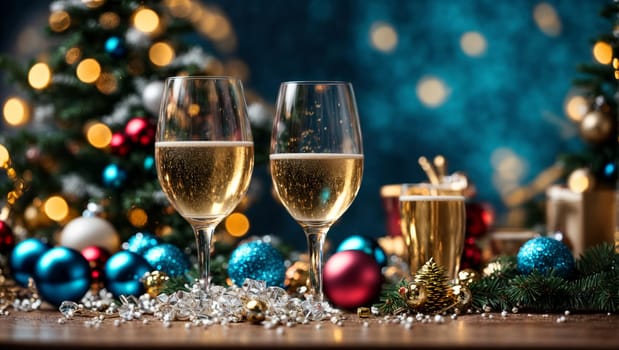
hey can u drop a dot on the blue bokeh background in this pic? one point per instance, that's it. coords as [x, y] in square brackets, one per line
[502, 120]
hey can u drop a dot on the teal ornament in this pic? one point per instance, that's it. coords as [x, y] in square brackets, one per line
[115, 47]
[62, 273]
[366, 245]
[168, 259]
[24, 257]
[257, 260]
[546, 255]
[149, 164]
[140, 242]
[114, 176]
[123, 273]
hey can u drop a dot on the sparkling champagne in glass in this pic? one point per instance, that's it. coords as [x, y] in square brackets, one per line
[316, 160]
[204, 154]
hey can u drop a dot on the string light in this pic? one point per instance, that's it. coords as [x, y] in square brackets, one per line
[237, 224]
[98, 135]
[39, 76]
[88, 70]
[59, 21]
[107, 83]
[16, 111]
[109, 20]
[603, 52]
[161, 54]
[580, 180]
[576, 108]
[145, 20]
[72, 55]
[137, 217]
[56, 208]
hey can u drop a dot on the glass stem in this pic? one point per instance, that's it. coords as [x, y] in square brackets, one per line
[204, 238]
[315, 241]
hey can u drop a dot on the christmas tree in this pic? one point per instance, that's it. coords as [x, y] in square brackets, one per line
[594, 110]
[80, 129]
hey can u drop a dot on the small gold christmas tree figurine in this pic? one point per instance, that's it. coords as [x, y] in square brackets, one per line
[437, 293]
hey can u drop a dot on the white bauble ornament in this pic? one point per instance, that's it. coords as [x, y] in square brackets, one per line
[84, 231]
[151, 97]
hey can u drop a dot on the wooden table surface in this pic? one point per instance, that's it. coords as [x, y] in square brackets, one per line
[41, 329]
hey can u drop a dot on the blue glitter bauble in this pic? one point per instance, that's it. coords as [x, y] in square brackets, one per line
[62, 273]
[24, 258]
[257, 260]
[140, 242]
[114, 176]
[123, 273]
[168, 259]
[115, 47]
[545, 254]
[367, 245]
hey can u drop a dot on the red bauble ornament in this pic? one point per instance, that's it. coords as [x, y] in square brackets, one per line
[96, 257]
[120, 144]
[351, 278]
[7, 239]
[479, 218]
[471, 257]
[140, 131]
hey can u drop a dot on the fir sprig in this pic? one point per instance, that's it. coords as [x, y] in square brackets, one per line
[593, 287]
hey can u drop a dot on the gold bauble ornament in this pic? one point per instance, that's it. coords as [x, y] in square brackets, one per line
[596, 126]
[154, 282]
[297, 276]
[468, 276]
[255, 310]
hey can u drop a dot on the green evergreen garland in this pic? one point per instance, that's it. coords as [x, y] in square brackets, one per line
[593, 287]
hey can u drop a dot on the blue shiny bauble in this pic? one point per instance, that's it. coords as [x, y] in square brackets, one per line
[257, 260]
[123, 273]
[545, 254]
[115, 47]
[367, 245]
[140, 242]
[62, 273]
[168, 259]
[23, 259]
[114, 176]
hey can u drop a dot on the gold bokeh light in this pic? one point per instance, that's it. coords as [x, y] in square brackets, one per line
[72, 55]
[603, 52]
[547, 19]
[56, 208]
[576, 108]
[5, 157]
[145, 20]
[237, 224]
[16, 111]
[580, 180]
[88, 70]
[98, 135]
[432, 91]
[383, 37]
[40, 76]
[109, 20]
[137, 217]
[107, 83]
[161, 54]
[59, 21]
[473, 44]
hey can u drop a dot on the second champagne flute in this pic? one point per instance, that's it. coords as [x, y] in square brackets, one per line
[316, 160]
[204, 154]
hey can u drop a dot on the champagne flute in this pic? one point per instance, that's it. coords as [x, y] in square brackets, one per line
[316, 160]
[204, 154]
